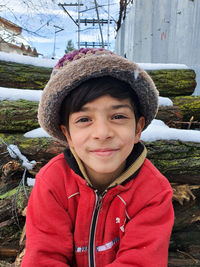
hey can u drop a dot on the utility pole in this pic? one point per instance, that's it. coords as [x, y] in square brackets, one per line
[97, 11]
[77, 24]
[108, 39]
[54, 46]
[93, 22]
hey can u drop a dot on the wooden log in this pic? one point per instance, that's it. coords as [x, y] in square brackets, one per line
[187, 262]
[12, 203]
[184, 257]
[187, 214]
[178, 161]
[25, 114]
[39, 149]
[10, 171]
[12, 221]
[189, 106]
[184, 247]
[174, 82]
[19, 259]
[169, 115]
[18, 116]
[4, 263]
[170, 82]
[21, 115]
[16, 75]
[8, 252]
[187, 236]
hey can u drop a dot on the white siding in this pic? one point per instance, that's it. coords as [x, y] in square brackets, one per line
[162, 31]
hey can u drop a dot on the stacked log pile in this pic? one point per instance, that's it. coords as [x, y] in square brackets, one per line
[178, 161]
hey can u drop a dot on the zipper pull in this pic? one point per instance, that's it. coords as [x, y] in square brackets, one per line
[99, 202]
[100, 199]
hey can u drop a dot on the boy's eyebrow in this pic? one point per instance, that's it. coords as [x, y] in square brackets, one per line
[112, 107]
[122, 106]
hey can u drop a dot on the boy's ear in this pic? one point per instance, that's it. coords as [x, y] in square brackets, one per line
[139, 127]
[66, 134]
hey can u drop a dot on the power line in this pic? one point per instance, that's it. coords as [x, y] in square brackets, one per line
[94, 21]
[77, 23]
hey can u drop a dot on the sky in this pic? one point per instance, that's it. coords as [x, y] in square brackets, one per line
[41, 18]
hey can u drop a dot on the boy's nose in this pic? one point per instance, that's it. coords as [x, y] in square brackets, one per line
[101, 130]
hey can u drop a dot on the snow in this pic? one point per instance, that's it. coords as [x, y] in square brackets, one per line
[35, 61]
[30, 181]
[158, 130]
[159, 66]
[16, 94]
[14, 152]
[36, 133]
[164, 101]
[136, 74]
[196, 68]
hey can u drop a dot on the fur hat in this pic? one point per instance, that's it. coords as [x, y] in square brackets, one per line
[81, 65]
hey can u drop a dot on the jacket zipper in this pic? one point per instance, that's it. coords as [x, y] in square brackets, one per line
[99, 199]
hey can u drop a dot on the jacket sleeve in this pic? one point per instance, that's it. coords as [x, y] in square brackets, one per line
[49, 239]
[147, 234]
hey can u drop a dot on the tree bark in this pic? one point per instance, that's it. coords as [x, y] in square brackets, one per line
[17, 75]
[178, 161]
[25, 114]
[189, 107]
[18, 116]
[39, 149]
[174, 82]
[12, 221]
[170, 115]
[169, 82]
[188, 261]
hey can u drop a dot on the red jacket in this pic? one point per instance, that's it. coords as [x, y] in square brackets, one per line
[68, 224]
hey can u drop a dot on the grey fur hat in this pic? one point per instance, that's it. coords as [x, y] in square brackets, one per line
[81, 65]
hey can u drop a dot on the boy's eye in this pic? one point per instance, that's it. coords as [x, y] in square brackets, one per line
[82, 120]
[119, 116]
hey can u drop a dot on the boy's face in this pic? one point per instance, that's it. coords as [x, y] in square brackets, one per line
[103, 134]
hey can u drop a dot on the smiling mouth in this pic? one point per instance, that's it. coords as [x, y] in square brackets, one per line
[104, 152]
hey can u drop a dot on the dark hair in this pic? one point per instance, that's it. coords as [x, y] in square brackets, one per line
[91, 90]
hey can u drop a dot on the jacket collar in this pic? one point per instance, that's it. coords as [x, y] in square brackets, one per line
[133, 164]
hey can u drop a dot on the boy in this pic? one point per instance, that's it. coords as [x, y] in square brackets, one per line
[101, 202]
